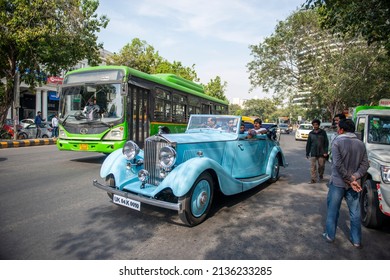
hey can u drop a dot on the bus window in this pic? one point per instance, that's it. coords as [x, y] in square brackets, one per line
[179, 106]
[206, 109]
[162, 108]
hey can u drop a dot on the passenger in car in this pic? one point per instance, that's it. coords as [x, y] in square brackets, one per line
[212, 123]
[257, 127]
[242, 128]
[231, 127]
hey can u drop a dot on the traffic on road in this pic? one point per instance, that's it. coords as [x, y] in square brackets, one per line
[51, 211]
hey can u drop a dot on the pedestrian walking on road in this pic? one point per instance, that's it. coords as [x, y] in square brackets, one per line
[317, 146]
[350, 164]
[38, 122]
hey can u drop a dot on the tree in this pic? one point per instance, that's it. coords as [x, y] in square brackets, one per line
[263, 108]
[138, 55]
[235, 109]
[178, 69]
[368, 18]
[43, 37]
[327, 71]
[216, 88]
[143, 57]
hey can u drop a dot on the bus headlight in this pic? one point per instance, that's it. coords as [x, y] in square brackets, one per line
[130, 150]
[114, 134]
[167, 157]
[385, 172]
[61, 133]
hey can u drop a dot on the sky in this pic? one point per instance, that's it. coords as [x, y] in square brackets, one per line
[213, 35]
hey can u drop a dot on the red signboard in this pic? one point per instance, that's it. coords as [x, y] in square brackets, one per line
[54, 80]
[384, 102]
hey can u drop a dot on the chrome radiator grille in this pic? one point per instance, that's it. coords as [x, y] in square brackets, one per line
[151, 162]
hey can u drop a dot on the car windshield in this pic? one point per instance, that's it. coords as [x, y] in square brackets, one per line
[83, 103]
[213, 123]
[305, 127]
[379, 130]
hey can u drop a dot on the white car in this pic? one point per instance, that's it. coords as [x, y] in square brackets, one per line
[303, 131]
[26, 122]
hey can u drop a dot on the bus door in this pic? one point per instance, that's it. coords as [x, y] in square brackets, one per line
[137, 107]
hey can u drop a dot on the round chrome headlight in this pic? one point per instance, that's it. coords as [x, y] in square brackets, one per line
[167, 157]
[130, 150]
[143, 175]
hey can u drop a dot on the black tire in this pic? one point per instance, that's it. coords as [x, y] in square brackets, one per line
[22, 135]
[275, 175]
[110, 181]
[45, 136]
[371, 215]
[197, 202]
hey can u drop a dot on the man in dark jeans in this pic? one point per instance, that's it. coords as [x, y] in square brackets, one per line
[317, 148]
[349, 165]
[38, 122]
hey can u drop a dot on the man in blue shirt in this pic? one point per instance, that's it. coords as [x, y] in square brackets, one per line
[38, 122]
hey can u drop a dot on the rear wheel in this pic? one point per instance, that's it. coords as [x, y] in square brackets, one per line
[275, 170]
[371, 215]
[110, 181]
[197, 202]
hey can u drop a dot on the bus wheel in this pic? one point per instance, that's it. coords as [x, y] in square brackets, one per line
[371, 215]
[110, 181]
[197, 202]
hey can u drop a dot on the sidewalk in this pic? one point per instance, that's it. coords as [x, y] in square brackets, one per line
[26, 143]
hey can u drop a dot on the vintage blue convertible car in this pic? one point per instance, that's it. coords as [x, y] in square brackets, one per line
[183, 171]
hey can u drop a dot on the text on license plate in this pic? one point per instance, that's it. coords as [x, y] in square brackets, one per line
[133, 204]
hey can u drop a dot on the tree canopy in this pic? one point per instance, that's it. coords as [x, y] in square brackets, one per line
[368, 18]
[141, 56]
[323, 71]
[43, 37]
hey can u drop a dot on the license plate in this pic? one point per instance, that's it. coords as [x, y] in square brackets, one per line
[84, 147]
[133, 204]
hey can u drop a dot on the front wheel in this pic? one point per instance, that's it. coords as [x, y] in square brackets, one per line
[110, 181]
[371, 215]
[22, 135]
[197, 202]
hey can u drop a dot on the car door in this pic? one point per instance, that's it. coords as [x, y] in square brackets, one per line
[250, 157]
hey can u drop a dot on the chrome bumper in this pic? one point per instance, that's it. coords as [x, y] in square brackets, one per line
[143, 199]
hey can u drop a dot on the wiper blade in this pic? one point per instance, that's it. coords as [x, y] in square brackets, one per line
[99, 121]
[77, 116]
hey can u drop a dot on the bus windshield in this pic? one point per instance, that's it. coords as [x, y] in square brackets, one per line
[91, 102]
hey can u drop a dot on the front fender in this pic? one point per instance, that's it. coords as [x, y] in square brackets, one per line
[182, 178]
[116, 163]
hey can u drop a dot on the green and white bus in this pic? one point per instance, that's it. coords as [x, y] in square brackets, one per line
[128, 105]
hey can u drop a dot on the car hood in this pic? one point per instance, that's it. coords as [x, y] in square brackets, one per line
[199, 137]
[382, 155]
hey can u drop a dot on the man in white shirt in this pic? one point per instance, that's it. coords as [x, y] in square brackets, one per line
[257, 127]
